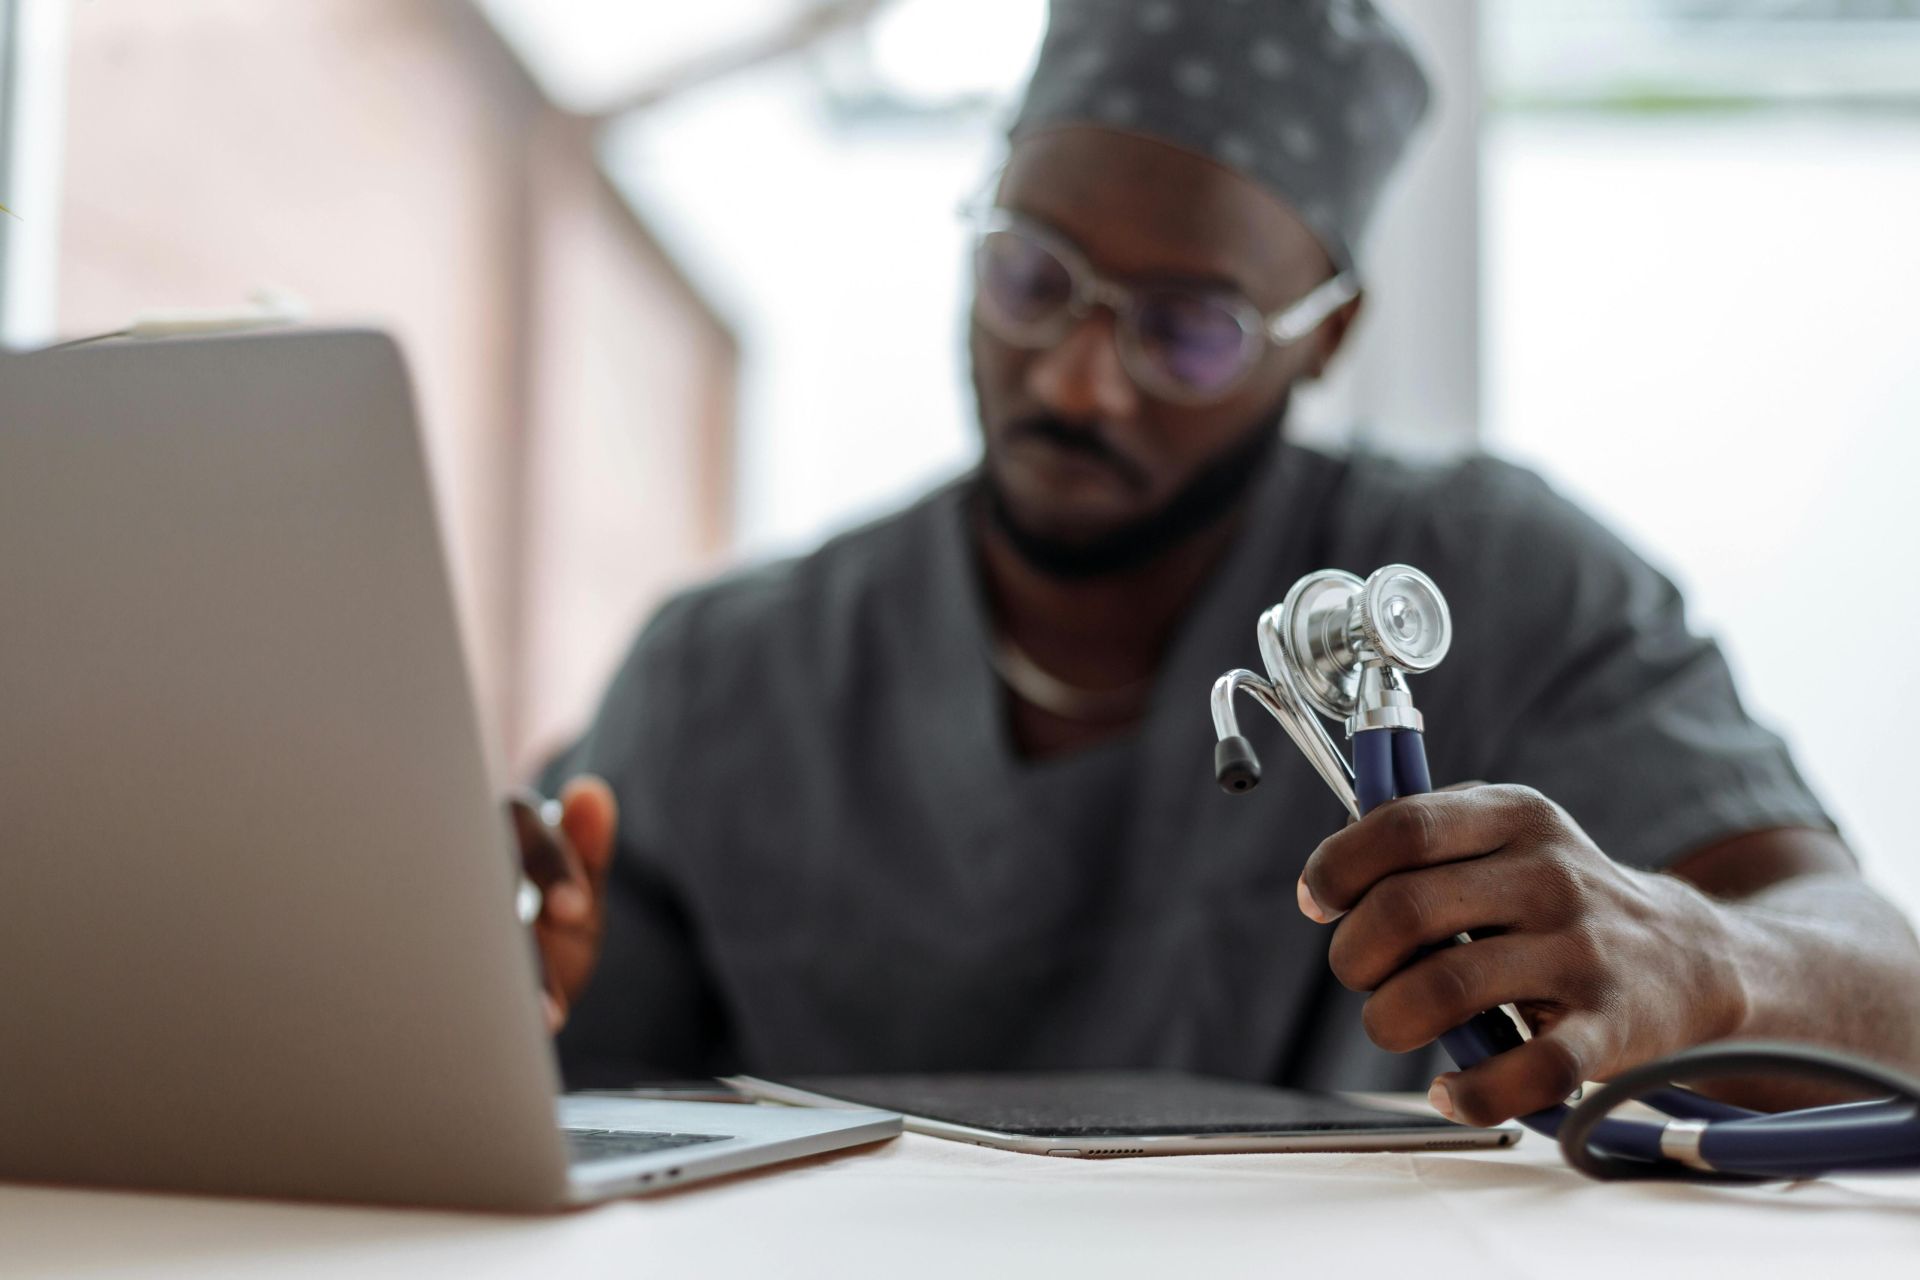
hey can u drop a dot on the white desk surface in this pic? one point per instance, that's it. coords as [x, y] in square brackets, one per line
[922, 1206]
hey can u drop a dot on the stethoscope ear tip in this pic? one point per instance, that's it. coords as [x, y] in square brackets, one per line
[1235, 766]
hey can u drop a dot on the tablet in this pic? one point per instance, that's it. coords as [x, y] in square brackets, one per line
[1127, 1113]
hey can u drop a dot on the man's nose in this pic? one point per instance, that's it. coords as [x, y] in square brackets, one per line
[1081, 377]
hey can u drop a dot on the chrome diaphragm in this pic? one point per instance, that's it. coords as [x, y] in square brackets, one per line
[1331, 622]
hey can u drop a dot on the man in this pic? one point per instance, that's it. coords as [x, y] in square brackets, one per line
[938, 795]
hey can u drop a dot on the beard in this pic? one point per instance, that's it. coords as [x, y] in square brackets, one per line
[1212, 495]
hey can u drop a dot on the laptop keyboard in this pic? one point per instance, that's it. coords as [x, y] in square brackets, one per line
[611, 1144]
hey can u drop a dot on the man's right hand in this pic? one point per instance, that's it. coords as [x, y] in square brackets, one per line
[566, 848]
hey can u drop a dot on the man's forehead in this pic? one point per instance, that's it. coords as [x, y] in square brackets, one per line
[1141, 206]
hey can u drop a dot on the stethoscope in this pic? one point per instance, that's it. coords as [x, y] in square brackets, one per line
[1342, 648]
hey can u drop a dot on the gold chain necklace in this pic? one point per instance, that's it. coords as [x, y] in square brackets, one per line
[1034, 684]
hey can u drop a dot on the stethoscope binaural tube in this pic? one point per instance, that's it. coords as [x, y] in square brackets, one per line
[1338, 646]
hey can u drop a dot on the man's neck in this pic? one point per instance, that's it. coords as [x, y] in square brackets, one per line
[1100, 633]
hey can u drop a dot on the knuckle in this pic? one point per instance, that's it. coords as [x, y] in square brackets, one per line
[1529, 806]
[1371, 1019]
[1345, 959]
[1389, 1025]
[1583, 966]
[1452, 980]
[1441, 996]
[1421, 1003]
[1471, 1104]
[1357, 956]
[1553, 883]
[1376, 1021]
[1582, 950]
[1567, 898]
[1402, 908]
[1412, 827]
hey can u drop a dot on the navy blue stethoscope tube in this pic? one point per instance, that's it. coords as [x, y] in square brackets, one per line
[1881, 1136]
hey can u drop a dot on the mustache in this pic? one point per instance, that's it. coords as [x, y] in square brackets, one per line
[1084, 438]
[1215, 492]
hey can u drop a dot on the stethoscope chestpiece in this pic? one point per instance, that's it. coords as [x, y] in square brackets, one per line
[1332, 624]
[1338, 646]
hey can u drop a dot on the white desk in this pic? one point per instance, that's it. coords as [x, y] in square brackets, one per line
[920, 1206]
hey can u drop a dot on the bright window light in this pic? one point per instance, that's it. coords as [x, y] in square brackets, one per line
[945, 50]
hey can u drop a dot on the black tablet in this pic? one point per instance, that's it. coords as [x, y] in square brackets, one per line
[1127, 1113]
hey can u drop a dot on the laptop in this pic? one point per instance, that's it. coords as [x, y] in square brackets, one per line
[260, 931]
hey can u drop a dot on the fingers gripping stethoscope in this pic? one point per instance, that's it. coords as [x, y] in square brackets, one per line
[1342, 648]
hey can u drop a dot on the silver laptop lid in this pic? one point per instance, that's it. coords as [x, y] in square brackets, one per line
[259, 932]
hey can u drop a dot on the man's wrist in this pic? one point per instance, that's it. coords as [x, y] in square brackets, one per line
[1721, 947]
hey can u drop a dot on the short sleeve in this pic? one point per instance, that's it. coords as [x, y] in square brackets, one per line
[651, 1008]
[1601, 697]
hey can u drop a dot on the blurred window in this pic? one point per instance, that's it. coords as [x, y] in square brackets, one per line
[813, 198]
[32, 92]
[1703, 302]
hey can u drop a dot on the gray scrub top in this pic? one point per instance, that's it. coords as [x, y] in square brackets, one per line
[831, 859]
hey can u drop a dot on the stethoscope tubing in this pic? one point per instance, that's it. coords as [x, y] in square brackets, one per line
[1737, 1144]
[1857, 1137]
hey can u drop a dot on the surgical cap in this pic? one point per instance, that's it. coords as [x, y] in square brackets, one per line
[1313, 99]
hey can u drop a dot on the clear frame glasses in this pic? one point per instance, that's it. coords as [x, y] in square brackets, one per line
[1181, 343]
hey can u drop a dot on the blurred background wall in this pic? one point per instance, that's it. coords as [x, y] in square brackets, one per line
[684, 285]
[393, 163]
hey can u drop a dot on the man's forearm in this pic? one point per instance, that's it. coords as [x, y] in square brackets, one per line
[1823, 958]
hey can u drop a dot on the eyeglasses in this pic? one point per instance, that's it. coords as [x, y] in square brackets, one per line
[1179, 343]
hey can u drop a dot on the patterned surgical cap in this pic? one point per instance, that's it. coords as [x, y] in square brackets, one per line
[1314, 99]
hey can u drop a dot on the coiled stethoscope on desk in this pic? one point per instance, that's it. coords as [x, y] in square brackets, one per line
[1342, 648]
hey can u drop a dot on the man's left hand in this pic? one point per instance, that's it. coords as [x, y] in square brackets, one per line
[1611, 966]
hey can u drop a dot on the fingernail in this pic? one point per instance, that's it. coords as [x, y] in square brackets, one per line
[1440, 1098]
[567, 902]
[1311, 909]
[551, 1008]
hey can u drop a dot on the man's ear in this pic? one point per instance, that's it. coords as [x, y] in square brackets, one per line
[1332, 335]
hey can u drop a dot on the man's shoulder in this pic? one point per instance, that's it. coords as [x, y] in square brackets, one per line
[1490, 531]
[1456, 484]
[793, 633]
[1472, 504]
[1526, 570]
